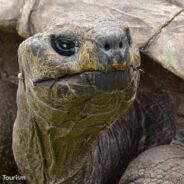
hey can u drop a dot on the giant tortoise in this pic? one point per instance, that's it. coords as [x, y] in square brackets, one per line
[80, 117]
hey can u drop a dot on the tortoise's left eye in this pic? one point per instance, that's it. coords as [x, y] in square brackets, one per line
[64, 46]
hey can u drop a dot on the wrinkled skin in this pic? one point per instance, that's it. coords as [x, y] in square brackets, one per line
[65, 101]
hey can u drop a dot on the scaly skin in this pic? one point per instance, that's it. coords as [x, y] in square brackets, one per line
[159, 165]
[64, 102]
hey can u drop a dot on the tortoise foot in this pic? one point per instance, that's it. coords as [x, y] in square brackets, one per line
[159, 165]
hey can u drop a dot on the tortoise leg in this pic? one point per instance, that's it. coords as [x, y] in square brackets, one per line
[7, 117]
[159, 165]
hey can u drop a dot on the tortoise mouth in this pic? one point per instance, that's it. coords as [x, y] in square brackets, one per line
[80, 87]
[112, 80]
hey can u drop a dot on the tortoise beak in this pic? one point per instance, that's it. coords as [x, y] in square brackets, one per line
[116, 49]
[120, 62]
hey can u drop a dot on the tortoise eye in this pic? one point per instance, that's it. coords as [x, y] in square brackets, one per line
[64, 46]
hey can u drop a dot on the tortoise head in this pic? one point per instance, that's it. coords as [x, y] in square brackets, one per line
[80, 69]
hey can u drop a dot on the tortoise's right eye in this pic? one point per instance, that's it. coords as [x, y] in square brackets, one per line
[64, 46]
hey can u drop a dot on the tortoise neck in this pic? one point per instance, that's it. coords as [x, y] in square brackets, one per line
[66, 158]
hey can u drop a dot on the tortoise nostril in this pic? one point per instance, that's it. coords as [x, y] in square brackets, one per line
[107, 47]
[120, 45]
